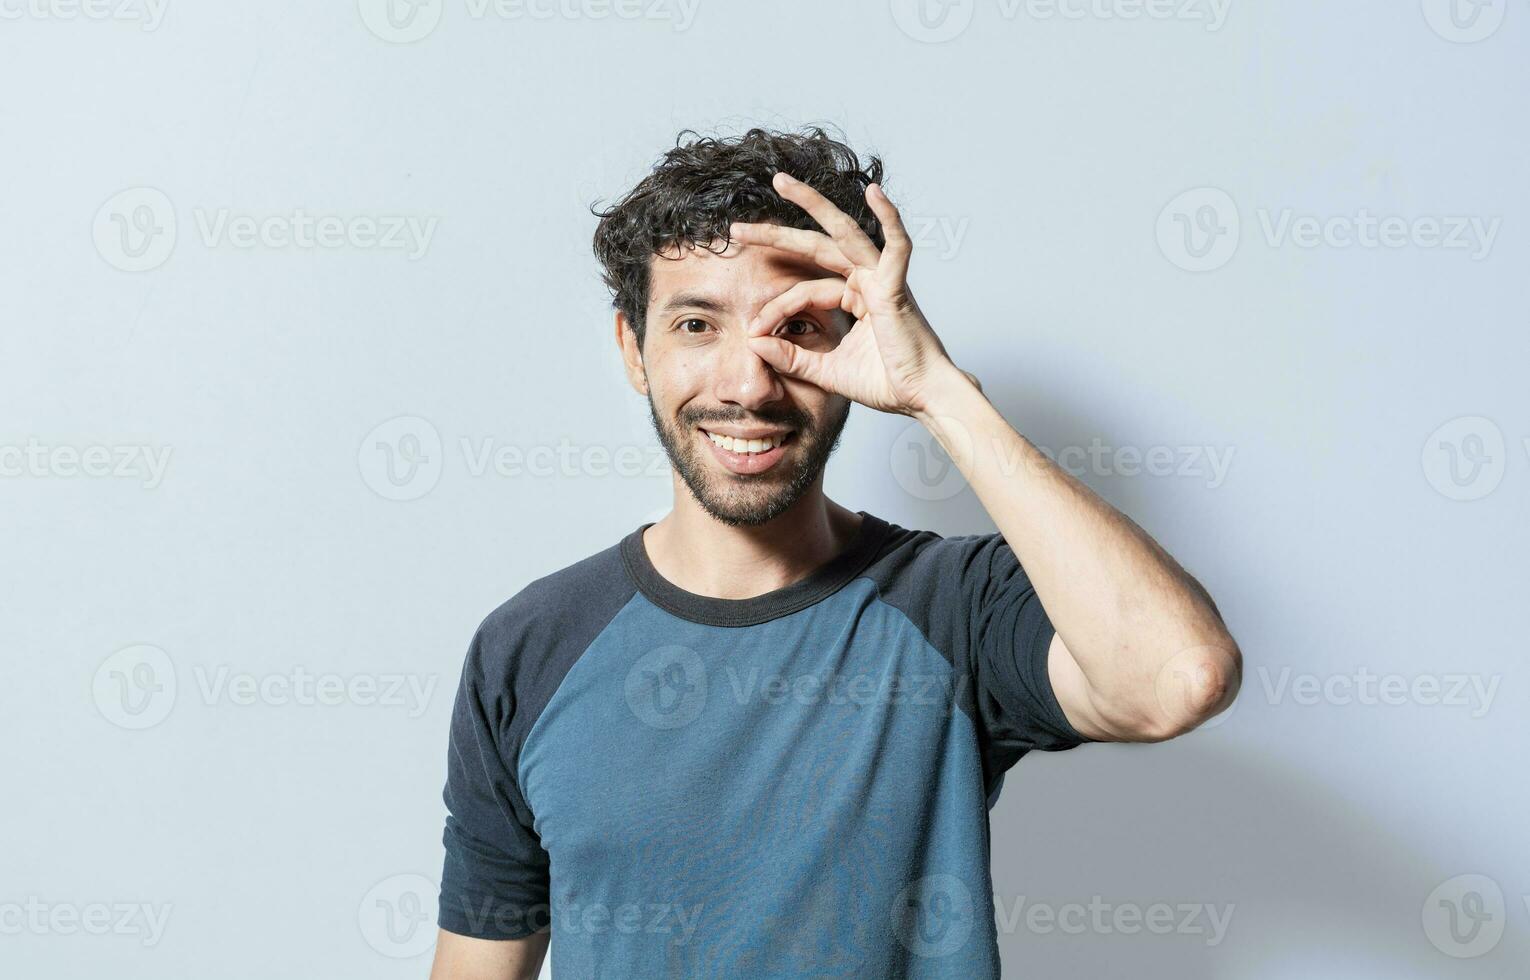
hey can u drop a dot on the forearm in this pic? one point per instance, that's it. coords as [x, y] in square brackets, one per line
[1147, 638]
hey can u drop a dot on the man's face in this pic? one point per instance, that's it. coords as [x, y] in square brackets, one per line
[747, 441]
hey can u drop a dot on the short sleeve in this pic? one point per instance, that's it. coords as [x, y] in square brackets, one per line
[1009, 641]
[494, 883]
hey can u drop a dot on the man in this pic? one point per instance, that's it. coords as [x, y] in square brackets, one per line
[760, 737]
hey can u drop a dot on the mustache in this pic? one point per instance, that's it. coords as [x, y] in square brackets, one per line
[794, 418]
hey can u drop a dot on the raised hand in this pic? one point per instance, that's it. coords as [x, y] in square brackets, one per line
[891, 359]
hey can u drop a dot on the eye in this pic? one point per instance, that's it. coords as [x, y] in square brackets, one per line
[685, 326]
[807, 327]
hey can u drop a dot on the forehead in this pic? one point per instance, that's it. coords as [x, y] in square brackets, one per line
[741, 279]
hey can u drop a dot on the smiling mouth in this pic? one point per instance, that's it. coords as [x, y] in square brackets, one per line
[748, 456]
[743, 446]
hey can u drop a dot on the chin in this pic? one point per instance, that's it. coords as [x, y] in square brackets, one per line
[753, 507]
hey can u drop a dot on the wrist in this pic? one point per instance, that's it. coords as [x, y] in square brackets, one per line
[947, 393]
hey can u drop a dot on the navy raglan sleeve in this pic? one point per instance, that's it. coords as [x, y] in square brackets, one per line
[494, 884]
[1009, 635]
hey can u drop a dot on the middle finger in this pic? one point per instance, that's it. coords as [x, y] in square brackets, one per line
[840, 226]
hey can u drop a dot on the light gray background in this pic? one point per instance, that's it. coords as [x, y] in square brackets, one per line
[1038, 156]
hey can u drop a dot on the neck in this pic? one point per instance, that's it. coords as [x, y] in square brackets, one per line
[700, 554]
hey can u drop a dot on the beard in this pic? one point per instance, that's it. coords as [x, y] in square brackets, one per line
[756, 499]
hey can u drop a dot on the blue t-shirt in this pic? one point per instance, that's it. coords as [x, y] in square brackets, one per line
[791, 785]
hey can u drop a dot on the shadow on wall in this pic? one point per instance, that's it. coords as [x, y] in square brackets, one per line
[1283, 877]
[1302, 882]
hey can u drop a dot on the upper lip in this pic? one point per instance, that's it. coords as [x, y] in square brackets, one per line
[746, 433]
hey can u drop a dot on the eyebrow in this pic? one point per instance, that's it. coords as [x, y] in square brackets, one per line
[692, 301]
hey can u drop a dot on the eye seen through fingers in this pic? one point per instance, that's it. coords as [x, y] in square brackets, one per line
[797, 327]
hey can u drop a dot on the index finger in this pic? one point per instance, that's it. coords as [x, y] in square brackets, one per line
[814, 246]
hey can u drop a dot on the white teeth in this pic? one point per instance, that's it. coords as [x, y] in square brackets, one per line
[745, 445]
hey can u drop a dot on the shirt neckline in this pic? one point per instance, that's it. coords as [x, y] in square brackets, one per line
[816, 586]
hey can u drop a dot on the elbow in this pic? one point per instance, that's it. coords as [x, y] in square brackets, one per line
[1194, 686]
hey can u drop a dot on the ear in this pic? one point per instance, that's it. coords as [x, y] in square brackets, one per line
[632, 355]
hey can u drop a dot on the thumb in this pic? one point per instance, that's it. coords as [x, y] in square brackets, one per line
[789, 359]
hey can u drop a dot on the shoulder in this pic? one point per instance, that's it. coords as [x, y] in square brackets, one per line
[551, 620]
[912, 562]
[947, 586]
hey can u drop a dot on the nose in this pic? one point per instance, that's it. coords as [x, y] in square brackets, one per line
[743, 377]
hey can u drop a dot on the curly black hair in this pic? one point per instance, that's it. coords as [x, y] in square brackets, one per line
[706, 182]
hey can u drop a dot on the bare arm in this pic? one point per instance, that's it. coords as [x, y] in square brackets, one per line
[465, 958]
[1141, 653]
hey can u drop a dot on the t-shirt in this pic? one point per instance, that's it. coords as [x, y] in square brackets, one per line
[791, 785]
